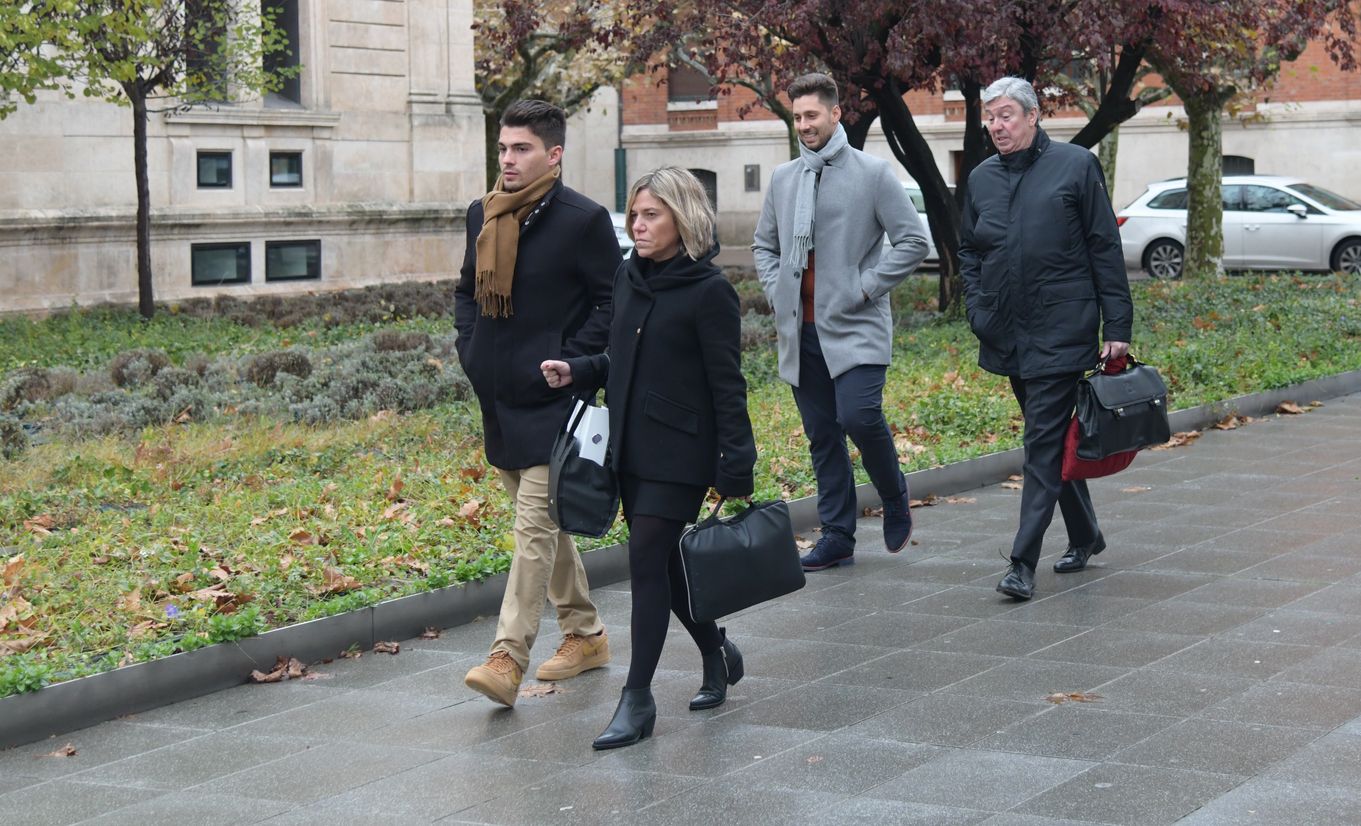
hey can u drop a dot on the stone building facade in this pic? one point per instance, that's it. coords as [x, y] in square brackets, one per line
[358, 172]
[1303, 125]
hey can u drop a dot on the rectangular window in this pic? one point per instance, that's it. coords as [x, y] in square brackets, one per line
[214, 170]
[285, 170]
[292, 260]
[286, 60]
[214, 264]
[751, 175]
[685, 84]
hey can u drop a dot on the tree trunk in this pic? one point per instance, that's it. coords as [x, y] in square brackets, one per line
[859, 132]
[792, 134]
[977, 147]
[146, 300]
[1106, 151]
[492, 136]
[1204, 256]
[914, 153]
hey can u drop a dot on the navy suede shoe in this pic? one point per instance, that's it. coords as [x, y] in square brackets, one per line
[897, 523]
[832, 550]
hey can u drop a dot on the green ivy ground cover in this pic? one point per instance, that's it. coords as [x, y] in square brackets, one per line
[134, 545]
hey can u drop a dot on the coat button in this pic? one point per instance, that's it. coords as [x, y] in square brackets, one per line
[639, 331]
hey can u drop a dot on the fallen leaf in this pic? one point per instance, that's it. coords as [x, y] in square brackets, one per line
[184, 582]
[874, 511]
[395, 491]
[393, 511]
[960, 500]
[803, 544]
[285, 668]
[1289, 408]
[26, 640]
[302, 536]
[41, 525]
[352, 653]
[286, 562]
[446, 522]
[1181, 439]
[387, 647]
[474, 473]
[431, 633]
[1015, 477]
[10, 574]
[1136, 489]
[1011, 486]
[814, 759]
[260, 520]
[67, 750]
[1073, 696]
[540, 690]
[1233, 421]
[184, 416]
[334, 581]
[100, 560]
[470, 508]
[130, 602]
[382, 415]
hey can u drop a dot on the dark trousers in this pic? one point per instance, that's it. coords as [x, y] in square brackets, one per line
[658, 585]
[852, 405]
[1047, 403]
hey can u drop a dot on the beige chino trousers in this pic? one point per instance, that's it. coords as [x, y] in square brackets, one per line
[546, 563]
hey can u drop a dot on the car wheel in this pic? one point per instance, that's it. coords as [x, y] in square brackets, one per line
[1347, 257]
[1163, 259]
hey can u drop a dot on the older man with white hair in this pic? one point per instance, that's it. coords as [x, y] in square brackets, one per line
[1042, 267]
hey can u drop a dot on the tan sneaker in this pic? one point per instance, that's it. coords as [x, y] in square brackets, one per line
[498, 678]
[575, 655]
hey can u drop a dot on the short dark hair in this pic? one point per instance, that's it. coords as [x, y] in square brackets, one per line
[815, 83]
[547, 122]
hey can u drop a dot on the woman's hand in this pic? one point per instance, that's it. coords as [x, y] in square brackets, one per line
[556, 373]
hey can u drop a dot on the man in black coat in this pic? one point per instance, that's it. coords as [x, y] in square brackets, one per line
[535, 284]
[1042, 267]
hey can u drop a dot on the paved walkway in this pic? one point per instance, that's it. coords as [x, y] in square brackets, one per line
[1221, 631]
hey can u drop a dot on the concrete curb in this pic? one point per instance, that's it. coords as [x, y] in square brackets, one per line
[83, 702]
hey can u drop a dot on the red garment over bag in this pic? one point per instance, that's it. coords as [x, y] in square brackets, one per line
[1075, 468]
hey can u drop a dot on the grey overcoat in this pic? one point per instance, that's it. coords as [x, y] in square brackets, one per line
[858, 200]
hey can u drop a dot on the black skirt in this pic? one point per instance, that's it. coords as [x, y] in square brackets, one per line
[664, 500]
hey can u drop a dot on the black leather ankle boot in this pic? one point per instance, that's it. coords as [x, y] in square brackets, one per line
[633, 720]
[722, 668]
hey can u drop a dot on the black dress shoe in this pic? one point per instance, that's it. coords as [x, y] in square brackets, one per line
[1019, 582]
[722, 668]
[1077, 556]
[633, 720]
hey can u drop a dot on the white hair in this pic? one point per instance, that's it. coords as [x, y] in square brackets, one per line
[1016, 88]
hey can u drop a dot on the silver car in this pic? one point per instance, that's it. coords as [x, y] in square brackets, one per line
[1270, 223]
[621, 233]
[914, 194]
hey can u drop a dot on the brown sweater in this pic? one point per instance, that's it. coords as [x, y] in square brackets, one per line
[806, 289]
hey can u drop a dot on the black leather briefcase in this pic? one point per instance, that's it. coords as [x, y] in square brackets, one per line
[1122, 411]
[735, 563]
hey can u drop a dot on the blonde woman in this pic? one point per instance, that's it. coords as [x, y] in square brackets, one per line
[678, 423]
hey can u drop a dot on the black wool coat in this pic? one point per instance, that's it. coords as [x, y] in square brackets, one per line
[560, 300]
[1041, 261]
[673, 376]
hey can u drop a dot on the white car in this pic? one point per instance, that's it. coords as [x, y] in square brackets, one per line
[915, 194]
[1270, 223]
[621, 232]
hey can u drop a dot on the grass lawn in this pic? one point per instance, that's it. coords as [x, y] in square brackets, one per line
[202, 528]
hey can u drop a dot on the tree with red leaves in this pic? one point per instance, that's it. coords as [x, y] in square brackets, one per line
[1221, 51]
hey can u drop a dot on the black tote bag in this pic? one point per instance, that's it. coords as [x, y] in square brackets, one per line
[583, 497]
[1119, 412]
[735, 563]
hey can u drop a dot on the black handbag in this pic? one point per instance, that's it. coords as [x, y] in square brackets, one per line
[583, 497]
[1119, 412]
[735, 563]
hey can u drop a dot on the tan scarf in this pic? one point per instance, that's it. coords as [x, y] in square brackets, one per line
[499, 240]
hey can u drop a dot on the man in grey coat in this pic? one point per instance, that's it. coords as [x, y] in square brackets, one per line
[819, 254]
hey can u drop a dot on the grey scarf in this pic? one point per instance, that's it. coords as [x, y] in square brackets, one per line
[806, 198]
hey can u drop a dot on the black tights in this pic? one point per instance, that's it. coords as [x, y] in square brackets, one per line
[659, 589]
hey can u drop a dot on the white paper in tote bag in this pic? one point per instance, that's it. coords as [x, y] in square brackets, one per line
[592, 432]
